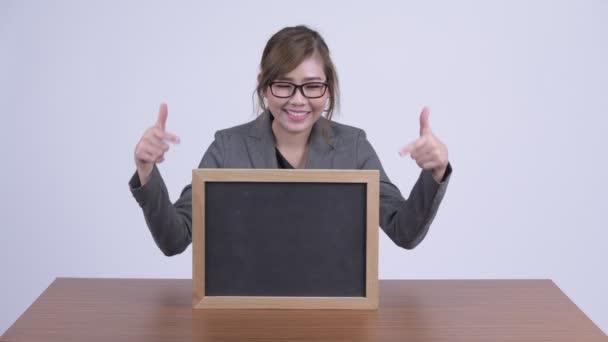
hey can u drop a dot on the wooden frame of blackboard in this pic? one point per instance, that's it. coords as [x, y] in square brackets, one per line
[368, 177]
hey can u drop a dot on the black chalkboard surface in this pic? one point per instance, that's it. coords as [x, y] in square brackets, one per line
[285, 238]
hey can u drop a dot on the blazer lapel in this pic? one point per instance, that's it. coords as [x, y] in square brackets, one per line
[321, 146]
[260, 144]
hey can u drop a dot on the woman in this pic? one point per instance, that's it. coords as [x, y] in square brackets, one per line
[297, 83]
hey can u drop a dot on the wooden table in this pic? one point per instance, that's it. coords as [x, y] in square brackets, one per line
[74, 309]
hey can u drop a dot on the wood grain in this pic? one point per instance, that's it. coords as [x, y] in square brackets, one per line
[73, 309]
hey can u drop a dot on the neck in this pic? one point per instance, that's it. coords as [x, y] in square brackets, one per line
[289, 141]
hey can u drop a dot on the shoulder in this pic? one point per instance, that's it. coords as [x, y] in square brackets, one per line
[238, 134]
[237, 131]
[343, 133]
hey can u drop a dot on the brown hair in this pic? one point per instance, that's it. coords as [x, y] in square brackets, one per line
[285, 50]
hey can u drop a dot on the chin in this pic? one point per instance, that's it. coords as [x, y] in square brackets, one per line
[293, 124]
[295, 128]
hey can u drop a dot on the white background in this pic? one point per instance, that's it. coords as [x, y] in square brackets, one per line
[518, 90]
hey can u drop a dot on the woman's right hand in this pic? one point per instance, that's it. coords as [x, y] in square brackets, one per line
[152, 146]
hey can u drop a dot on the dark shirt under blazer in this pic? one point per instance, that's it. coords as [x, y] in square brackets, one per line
[331, 146]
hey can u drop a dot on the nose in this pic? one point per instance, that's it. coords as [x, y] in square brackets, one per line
[298, 98]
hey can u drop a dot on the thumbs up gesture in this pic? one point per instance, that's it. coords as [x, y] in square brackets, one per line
[152, 146]
[428, 151]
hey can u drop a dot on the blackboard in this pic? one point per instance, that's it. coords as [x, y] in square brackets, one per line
[285, 238]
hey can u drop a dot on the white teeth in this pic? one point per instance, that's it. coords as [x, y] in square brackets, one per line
[297, 114]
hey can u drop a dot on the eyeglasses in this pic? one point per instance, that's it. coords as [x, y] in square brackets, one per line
[311, 90]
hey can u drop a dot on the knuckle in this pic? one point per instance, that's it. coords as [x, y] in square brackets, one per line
[153, 132]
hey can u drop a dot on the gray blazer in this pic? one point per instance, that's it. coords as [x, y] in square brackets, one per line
[331, 146]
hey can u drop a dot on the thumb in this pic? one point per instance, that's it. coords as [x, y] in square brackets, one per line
[163, 112]
[424, 120]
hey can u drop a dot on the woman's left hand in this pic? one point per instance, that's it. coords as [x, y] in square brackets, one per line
[428, 151]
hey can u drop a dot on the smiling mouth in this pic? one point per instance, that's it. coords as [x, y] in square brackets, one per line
[296, 115]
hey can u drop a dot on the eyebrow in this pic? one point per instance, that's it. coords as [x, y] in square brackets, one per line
[305, 79]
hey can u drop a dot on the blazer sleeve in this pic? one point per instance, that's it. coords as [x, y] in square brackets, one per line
[406, 222]
[171, 223]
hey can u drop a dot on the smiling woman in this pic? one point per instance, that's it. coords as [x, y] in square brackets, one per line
[298, 92]
[295, 112]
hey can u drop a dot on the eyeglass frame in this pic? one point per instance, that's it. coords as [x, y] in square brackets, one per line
[295, 88]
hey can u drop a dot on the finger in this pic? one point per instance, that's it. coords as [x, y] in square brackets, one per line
[160, 160]
[417, 154]
[165, 136]
[163, 112]
[153, 150]
[425, 150]
[427, 158]
[171, 138]
[431, 165]
[424, 154]
[425, 127]
[433, 148]
[151, 157]
[412, 147]
[420, 147]
[157, 143]
[145, 156]
[407, 149]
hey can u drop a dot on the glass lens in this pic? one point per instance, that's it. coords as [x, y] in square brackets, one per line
[282, 89]
[314, 89]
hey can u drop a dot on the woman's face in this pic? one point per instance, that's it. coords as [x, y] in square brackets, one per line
[297, 114]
